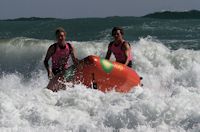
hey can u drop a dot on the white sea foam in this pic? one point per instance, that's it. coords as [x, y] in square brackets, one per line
[168, 101]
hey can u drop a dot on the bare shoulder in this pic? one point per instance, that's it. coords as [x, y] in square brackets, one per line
[71, 46]
[110, 44]
[51, 48]
[126, 45]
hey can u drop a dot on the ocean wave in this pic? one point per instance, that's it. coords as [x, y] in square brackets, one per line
[29, 105]
[25, 55]
[168, 101]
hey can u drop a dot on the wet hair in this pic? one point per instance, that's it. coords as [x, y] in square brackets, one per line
[59, 30]
[114, 30]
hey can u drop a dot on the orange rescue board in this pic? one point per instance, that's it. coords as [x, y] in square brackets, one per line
[101, 74]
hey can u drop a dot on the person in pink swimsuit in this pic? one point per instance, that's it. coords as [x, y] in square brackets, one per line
[59, 53]
[120, 48]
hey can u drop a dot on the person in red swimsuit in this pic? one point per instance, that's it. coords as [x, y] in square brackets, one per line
[120, 48]
[59, 53]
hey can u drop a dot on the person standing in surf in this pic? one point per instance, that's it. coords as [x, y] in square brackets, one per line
[120, 48]
[59, 53]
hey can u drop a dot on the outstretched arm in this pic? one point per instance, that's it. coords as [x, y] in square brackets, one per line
[127, 49]
[74, 56]
[49, 53]
[109, 52]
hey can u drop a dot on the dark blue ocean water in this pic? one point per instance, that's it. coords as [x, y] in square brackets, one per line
[175, 33]
[166, 54]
